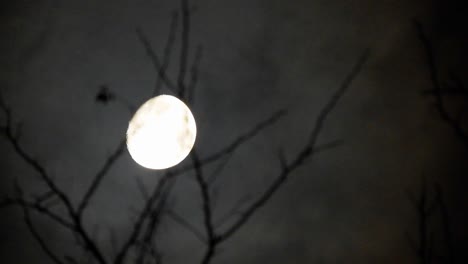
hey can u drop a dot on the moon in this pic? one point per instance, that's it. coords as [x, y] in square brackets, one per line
[161, 133]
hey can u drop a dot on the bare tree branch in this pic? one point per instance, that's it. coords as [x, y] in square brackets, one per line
[211, 237]
[236, 143]
[144, 228]
[230, 148]
[218, 169]
[181, 221]
[100, 175]
[305, 153]
[141, 187]
[148, 240]
[145, 212]
[39, 239]
[424, 209]
[33, 230]
[36, 206]
[437, 89]
[155, 60]
[184, 48]
[235, 210]
[194, 71]
[11, 136]
[47, 196]
[167, 51]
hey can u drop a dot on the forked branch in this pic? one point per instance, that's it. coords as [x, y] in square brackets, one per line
[213, 236]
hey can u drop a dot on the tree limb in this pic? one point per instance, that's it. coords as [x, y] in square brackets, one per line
[437, 89]
[167, 51]
[304, 154]
[184, 48]
[100, 175]
[155, 60]
[39, 239]
[138, 225]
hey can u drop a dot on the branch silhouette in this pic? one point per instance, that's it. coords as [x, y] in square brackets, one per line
[438, 90]
[140, 244]
[214, 237]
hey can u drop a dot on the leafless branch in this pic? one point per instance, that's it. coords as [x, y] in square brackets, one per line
[145, 226]
[167, 51]
[184, 48]
[154, 219]
[100, 175]
[236, 143]
[181, 221]
[155, 60]
[213, 237]
[45, 197]
[39, 239]
[235, 210]
[218, 169]
[145, 212]
[424, 209]
[304, 154]
[36, 206]
[10, 134]
[142, 189]
[194, 71]
[230, 148]
[438, 90]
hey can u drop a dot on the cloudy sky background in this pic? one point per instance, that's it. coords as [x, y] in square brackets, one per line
[346, 205]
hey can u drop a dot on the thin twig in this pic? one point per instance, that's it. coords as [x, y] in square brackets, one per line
[181, 221]
[214, 238]
[184, 47]
[100, 175]
[142, 189]
[304, 154]
[236, 143]
[38, 208]
[218, 169]
[194, 72]
[39, 239]
[167, 51]
[11, 136]
[153, 224]
[437, 87]
[155, 60]
[211, 237]
[138, 225]
[235, 210]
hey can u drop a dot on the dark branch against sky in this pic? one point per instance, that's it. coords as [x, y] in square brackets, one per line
[347, 205]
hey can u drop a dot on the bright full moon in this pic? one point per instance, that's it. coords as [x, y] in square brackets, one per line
[161, 133]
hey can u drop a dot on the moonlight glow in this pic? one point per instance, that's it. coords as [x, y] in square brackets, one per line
[161, 133]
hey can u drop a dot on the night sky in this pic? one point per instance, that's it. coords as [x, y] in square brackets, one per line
[348, 204]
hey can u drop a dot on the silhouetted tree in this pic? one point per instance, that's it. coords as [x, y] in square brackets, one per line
[140, 245]
[451, 97]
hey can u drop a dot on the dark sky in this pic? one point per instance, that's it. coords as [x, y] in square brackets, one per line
[346, 205]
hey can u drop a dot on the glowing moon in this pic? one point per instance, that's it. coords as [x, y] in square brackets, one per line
[161, 133]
